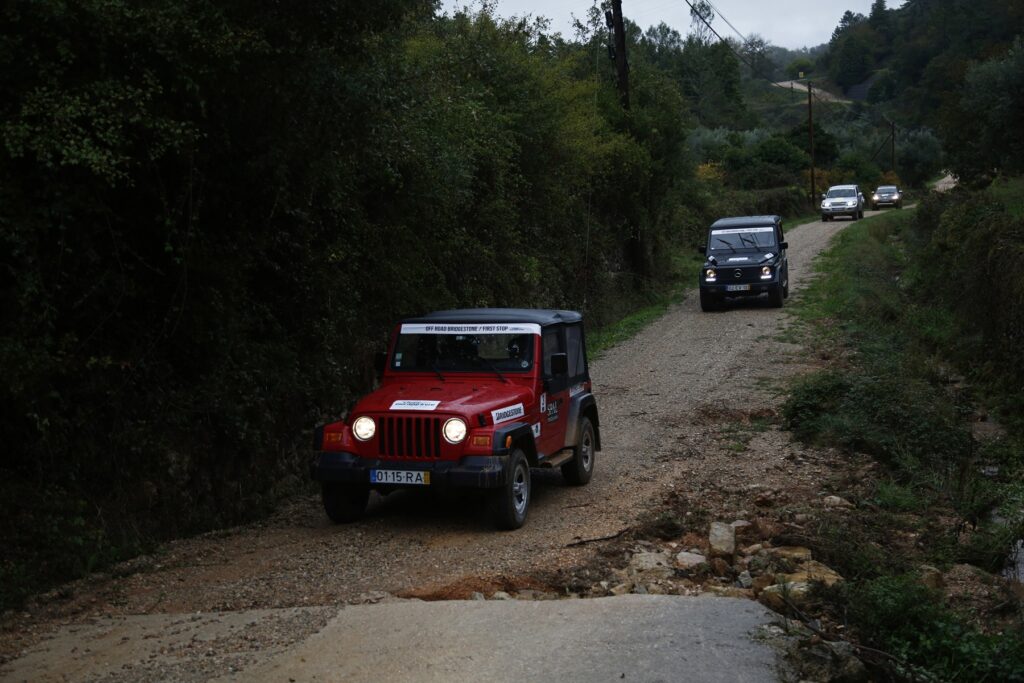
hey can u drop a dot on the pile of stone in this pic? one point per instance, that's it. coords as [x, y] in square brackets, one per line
[737, 559]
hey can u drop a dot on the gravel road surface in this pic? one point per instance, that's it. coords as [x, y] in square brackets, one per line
[660, 396]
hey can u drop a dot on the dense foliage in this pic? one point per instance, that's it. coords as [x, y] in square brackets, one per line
[212, 211]
[953, 66]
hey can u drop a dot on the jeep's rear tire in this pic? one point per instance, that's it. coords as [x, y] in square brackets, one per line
[344, 503]
[709, 302]
[580, 469]
[775, 296]
[512, 501]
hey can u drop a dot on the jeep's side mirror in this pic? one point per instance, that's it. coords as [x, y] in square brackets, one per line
[824, 196]
[380, 361]
[559, 364]
[784, 245]
[702, 249]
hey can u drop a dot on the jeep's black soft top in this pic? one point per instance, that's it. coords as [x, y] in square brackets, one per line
[744, 221]
[499, 315]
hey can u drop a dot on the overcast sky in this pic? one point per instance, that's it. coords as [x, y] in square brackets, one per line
[786, 23]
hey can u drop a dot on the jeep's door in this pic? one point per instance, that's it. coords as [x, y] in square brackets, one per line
[554, 393]
[579, 380]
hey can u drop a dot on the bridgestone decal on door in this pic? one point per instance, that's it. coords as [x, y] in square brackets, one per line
[505, 414]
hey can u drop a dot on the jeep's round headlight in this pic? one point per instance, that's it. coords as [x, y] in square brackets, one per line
[364, 428]
[766, 270]
[454, 430]
[710, 273]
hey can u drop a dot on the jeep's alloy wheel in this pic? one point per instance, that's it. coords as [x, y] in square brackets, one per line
[512, 501]
[580, 469]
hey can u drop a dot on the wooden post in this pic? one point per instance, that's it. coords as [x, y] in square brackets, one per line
[810, 132]
[621, 65]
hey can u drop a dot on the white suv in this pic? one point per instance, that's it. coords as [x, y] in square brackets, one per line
[842, 200]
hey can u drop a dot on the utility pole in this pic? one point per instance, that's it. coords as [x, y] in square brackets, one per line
[621, 66]
[810, 132]
[892, 146]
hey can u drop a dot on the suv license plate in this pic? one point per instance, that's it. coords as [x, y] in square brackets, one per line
[737, 288]
[412, 477]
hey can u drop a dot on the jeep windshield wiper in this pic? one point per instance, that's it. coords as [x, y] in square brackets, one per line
[440, 376]
[727, 243]
[495, 370]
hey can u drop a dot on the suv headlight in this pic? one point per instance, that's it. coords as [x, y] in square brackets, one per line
[766, 272]
[364, 428]
[454, 430]
[710, 274]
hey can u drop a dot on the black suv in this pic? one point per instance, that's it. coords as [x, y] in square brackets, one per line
[746, 256]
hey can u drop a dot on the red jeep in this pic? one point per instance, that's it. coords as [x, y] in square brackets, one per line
[468, 398]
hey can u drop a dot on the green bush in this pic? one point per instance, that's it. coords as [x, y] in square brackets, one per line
[901, 617]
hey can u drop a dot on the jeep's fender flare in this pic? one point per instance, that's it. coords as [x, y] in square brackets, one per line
[582, 405]
[522, 436]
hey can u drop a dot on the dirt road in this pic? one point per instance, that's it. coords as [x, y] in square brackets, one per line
[663, 397]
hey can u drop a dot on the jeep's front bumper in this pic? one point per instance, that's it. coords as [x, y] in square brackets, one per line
[473, 471]
[839, 210]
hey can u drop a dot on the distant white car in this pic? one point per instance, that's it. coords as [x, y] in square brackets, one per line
[887, 195]
[842, 200]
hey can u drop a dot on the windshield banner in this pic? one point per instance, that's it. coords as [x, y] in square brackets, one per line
[733, 231]
[460, 328]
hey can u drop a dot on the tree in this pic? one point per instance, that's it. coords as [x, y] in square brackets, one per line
[701, 16]
[800, 67]
[982, 132]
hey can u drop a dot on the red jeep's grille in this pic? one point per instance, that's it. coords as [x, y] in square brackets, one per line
[409, 437]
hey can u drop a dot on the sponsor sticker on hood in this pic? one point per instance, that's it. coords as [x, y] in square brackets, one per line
[505, 414]
[415, 405]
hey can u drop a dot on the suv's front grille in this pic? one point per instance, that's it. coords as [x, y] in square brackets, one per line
[409, 437]
[728, 276]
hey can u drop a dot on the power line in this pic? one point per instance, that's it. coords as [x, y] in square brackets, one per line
[722, 16]
[738, 55]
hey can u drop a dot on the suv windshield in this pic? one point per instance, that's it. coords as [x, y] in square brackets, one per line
[736, 239]
[842, 192]
[887, 189]
[420, 350]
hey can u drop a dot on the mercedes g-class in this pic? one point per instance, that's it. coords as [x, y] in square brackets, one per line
[745, 257]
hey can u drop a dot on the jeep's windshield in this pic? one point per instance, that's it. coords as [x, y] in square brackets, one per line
[737, 239]
[842, 192]
[887, 189]
[423, 348]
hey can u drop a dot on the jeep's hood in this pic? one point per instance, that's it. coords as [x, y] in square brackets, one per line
[463, 396]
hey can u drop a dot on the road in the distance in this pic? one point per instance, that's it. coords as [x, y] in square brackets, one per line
[649, 389]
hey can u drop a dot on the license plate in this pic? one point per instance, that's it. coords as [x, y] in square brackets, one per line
[411, 477]
[737, 288]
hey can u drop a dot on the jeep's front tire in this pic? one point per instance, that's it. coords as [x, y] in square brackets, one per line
[512, 501]
[580, 469]
[708, 301]
[344, 503]
[775, 296]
